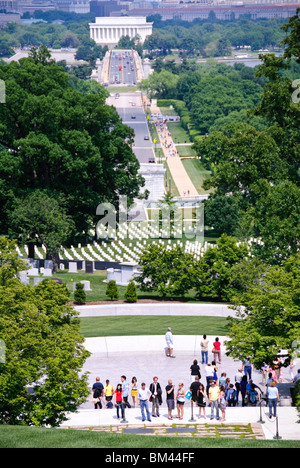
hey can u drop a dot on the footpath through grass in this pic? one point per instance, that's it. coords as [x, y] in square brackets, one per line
[34, 437]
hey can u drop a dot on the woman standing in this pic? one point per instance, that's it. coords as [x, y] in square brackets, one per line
[273, 397]
[217, 350]
[134, 391]
[119, 400]
[195, 371]
[201, 400]
[180, 400]
[223, 403]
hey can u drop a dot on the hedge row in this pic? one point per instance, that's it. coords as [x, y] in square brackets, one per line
[184, 114]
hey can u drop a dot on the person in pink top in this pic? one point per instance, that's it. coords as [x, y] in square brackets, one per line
[217, 350]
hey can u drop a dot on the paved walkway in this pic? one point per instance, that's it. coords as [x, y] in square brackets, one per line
[181, 178]
[166, 308]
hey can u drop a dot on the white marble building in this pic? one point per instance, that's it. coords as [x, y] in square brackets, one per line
[109, 30]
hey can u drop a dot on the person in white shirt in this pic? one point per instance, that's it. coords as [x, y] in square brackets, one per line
[209, 373]
[170, 343]
[144, 395]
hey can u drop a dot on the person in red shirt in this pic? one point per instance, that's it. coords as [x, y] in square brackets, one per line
[119, 400]
[217, 350]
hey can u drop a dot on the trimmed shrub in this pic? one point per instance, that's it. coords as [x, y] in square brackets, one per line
[130, 293]
[112, 290]
[79, 294]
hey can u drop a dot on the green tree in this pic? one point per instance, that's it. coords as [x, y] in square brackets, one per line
[130, 293]
[268, 315]
[112, 290]
[212, 275]
[10, 262]
[39, 218]
[79, 294]
[64, 142]
[167, 271]
[41, 379]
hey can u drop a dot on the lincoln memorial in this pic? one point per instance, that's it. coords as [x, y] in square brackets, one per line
[109, 30]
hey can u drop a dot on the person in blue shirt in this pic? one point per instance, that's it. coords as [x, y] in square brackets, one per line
[231, 396]
[125, 388]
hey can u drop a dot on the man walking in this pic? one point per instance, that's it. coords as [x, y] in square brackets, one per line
[156, 398]
[170, 343]
[144, 395]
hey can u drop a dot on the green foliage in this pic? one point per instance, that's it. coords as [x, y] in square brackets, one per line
[65, 143]
[167, 271]
[112, 290]
[213, 273]
[10, 263]
[44, 351]
[269, 307]
[130, 293]
[79, 294]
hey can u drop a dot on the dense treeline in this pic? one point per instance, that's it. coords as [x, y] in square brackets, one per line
[212, 37]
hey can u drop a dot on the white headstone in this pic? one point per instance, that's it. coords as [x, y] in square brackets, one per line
[33, 272]
[47, 272]
[72, 267]
[24, 277]
[37, 280]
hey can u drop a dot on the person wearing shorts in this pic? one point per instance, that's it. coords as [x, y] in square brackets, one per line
[170, 398]
[180, 400]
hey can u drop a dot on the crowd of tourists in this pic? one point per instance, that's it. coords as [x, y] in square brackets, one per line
[217, 392]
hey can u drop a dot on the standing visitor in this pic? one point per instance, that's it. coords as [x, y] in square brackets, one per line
[201, 401]
[237, 379]
[169, 342]
[119, 400]
[125, 388]
[170, 398]
[156, 398]
[204, 349]
[217, 350]
[273, 398]
[209, 374]
[144, 395]
[248, 367]
[180, 400]
[243, 389]
[97, 391]
[109, 393]
[214, 393]
[195, 371]
[134, 391]
[223, 402]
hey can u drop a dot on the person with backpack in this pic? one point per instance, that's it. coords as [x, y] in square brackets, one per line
[253, 396]
[97, 392]
[231, 396]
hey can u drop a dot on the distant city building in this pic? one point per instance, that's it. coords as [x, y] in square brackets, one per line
[109, 30]
[229, 11]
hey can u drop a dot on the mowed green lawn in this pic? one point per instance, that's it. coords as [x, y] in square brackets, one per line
[152, 325]
[36, 437]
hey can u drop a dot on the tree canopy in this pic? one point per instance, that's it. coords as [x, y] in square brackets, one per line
[57, 140]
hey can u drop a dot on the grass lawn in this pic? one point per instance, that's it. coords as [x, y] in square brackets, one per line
[186, 150]
[178, 133]
[197, 173]
[36, 437]
[152, 325]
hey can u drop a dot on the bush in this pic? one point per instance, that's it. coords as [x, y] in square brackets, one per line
[79, 294]
[112, 290]
[297, 395]
[130, 293]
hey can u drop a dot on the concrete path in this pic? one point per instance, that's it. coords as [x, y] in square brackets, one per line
[181, 178]
[166, 308]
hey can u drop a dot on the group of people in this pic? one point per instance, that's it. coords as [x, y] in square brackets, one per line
[216, 392]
